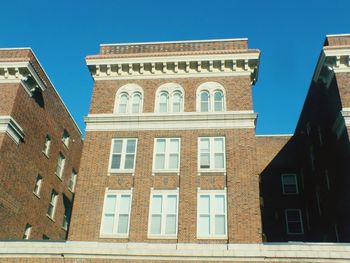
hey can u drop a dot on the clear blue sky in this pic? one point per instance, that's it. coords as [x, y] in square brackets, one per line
[288, 33]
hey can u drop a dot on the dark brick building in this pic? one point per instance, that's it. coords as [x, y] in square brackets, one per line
[40, 148]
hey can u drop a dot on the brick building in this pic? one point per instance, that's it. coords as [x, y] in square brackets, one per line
[171, 165]
[40, 149]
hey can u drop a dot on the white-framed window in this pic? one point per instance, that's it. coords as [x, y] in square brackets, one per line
[289, 184]
[211, 97]
[129, 99]
[294, 222]
[169, 98]
[27, 230]
[72, 181]
[116, 214]
[163, 215]
[47, 144]
[65, 137]
[38, 183]
[211, 214]
[166, 155]
[123, 155]
[52, 204]
[211, 154]
[60, 165]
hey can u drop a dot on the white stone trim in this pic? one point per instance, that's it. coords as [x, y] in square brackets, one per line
[345, 112]
[268, 252]
[182, 121]
[234, 64]
[9, 126]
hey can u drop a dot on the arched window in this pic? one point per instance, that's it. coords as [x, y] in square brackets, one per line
[177, 101]
[123, 103]
[163, 102]
[204, 97]
[218, 101]
[136, 100]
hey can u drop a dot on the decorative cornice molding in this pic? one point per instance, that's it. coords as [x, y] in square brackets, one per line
[21, 72]
[179, 121]
[332, 60]
[9, 126]
[234, 64]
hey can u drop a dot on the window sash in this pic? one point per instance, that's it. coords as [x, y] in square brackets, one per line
[47, 145]
[294, 222]
[166, 158]
[72, 181]
[52, 205]
[60, 165]
[289, 184]
[37, 186]
[125, 158]
[210, 158]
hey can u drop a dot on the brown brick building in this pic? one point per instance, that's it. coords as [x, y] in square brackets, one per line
[40, 149]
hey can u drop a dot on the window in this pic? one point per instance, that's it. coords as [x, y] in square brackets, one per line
[27, 231]
[67, 211]
[211, 154]
[163, 214]
[166, 154]
[211, 97]
[294, 221]
[72, 181]
[312, 158]
[169, 98]
[60, 165]
[116, 213]
[211, 214]
[37, 186]
[65, 138]
[52, 204]
[320, 136]
[45, 237]
[129, 99]
[123, 155]
[289, 184]
[47, 145]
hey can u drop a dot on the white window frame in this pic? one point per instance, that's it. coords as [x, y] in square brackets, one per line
[53, 203]
[284, 184]
[130, 90]
[167, 156]
[300, 221]
[170, 89]
[72, 181]
[63, 162]
[212, 194]
[47, 145]
[122, 158]
[211, 88]
[211, 155]
[27, 232]
[117, 193]
[38, 184]
[65, 138]
[163, 193]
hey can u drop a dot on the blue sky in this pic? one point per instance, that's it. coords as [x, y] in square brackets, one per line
[289, 34]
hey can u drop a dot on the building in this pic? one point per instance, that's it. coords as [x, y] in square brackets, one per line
[40, 148]
[172, 169]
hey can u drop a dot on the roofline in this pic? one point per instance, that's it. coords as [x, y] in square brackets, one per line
[338, 35]
[275, 135]
[53, 86]
[177, 41]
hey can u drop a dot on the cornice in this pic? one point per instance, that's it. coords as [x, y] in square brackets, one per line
[21, 72]
[9, 126]
[233, 64]
[183, 121]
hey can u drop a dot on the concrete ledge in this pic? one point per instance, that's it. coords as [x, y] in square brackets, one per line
[9, 126]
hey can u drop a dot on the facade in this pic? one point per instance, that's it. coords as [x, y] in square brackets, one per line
[40, 148]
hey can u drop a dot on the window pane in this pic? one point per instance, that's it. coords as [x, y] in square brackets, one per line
[294, 227]
[136, 103]
[174, 145]
[122, 103]
[219, 160]
[123, 224]
[117, 146]
[116, 161]
[163, 102]
[110, 204]
[130, 147]
[124, 204]
[173, 161]
[108, 223]
[170, 227]
[293, 215]
[218, 98]
[157, 204]
[155, 224]
[204, 225]
[219, 145]
[204, 97]
[220, 225]
[129, 161]
[204, 160]
[204, 204]
[171, 202]
[219, 204]
[160, 145]
[176, 102]
[176, 107]
[160, 161]
[289, 179]
[204, 144]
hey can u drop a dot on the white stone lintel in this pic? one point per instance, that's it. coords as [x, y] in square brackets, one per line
[9, 126]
